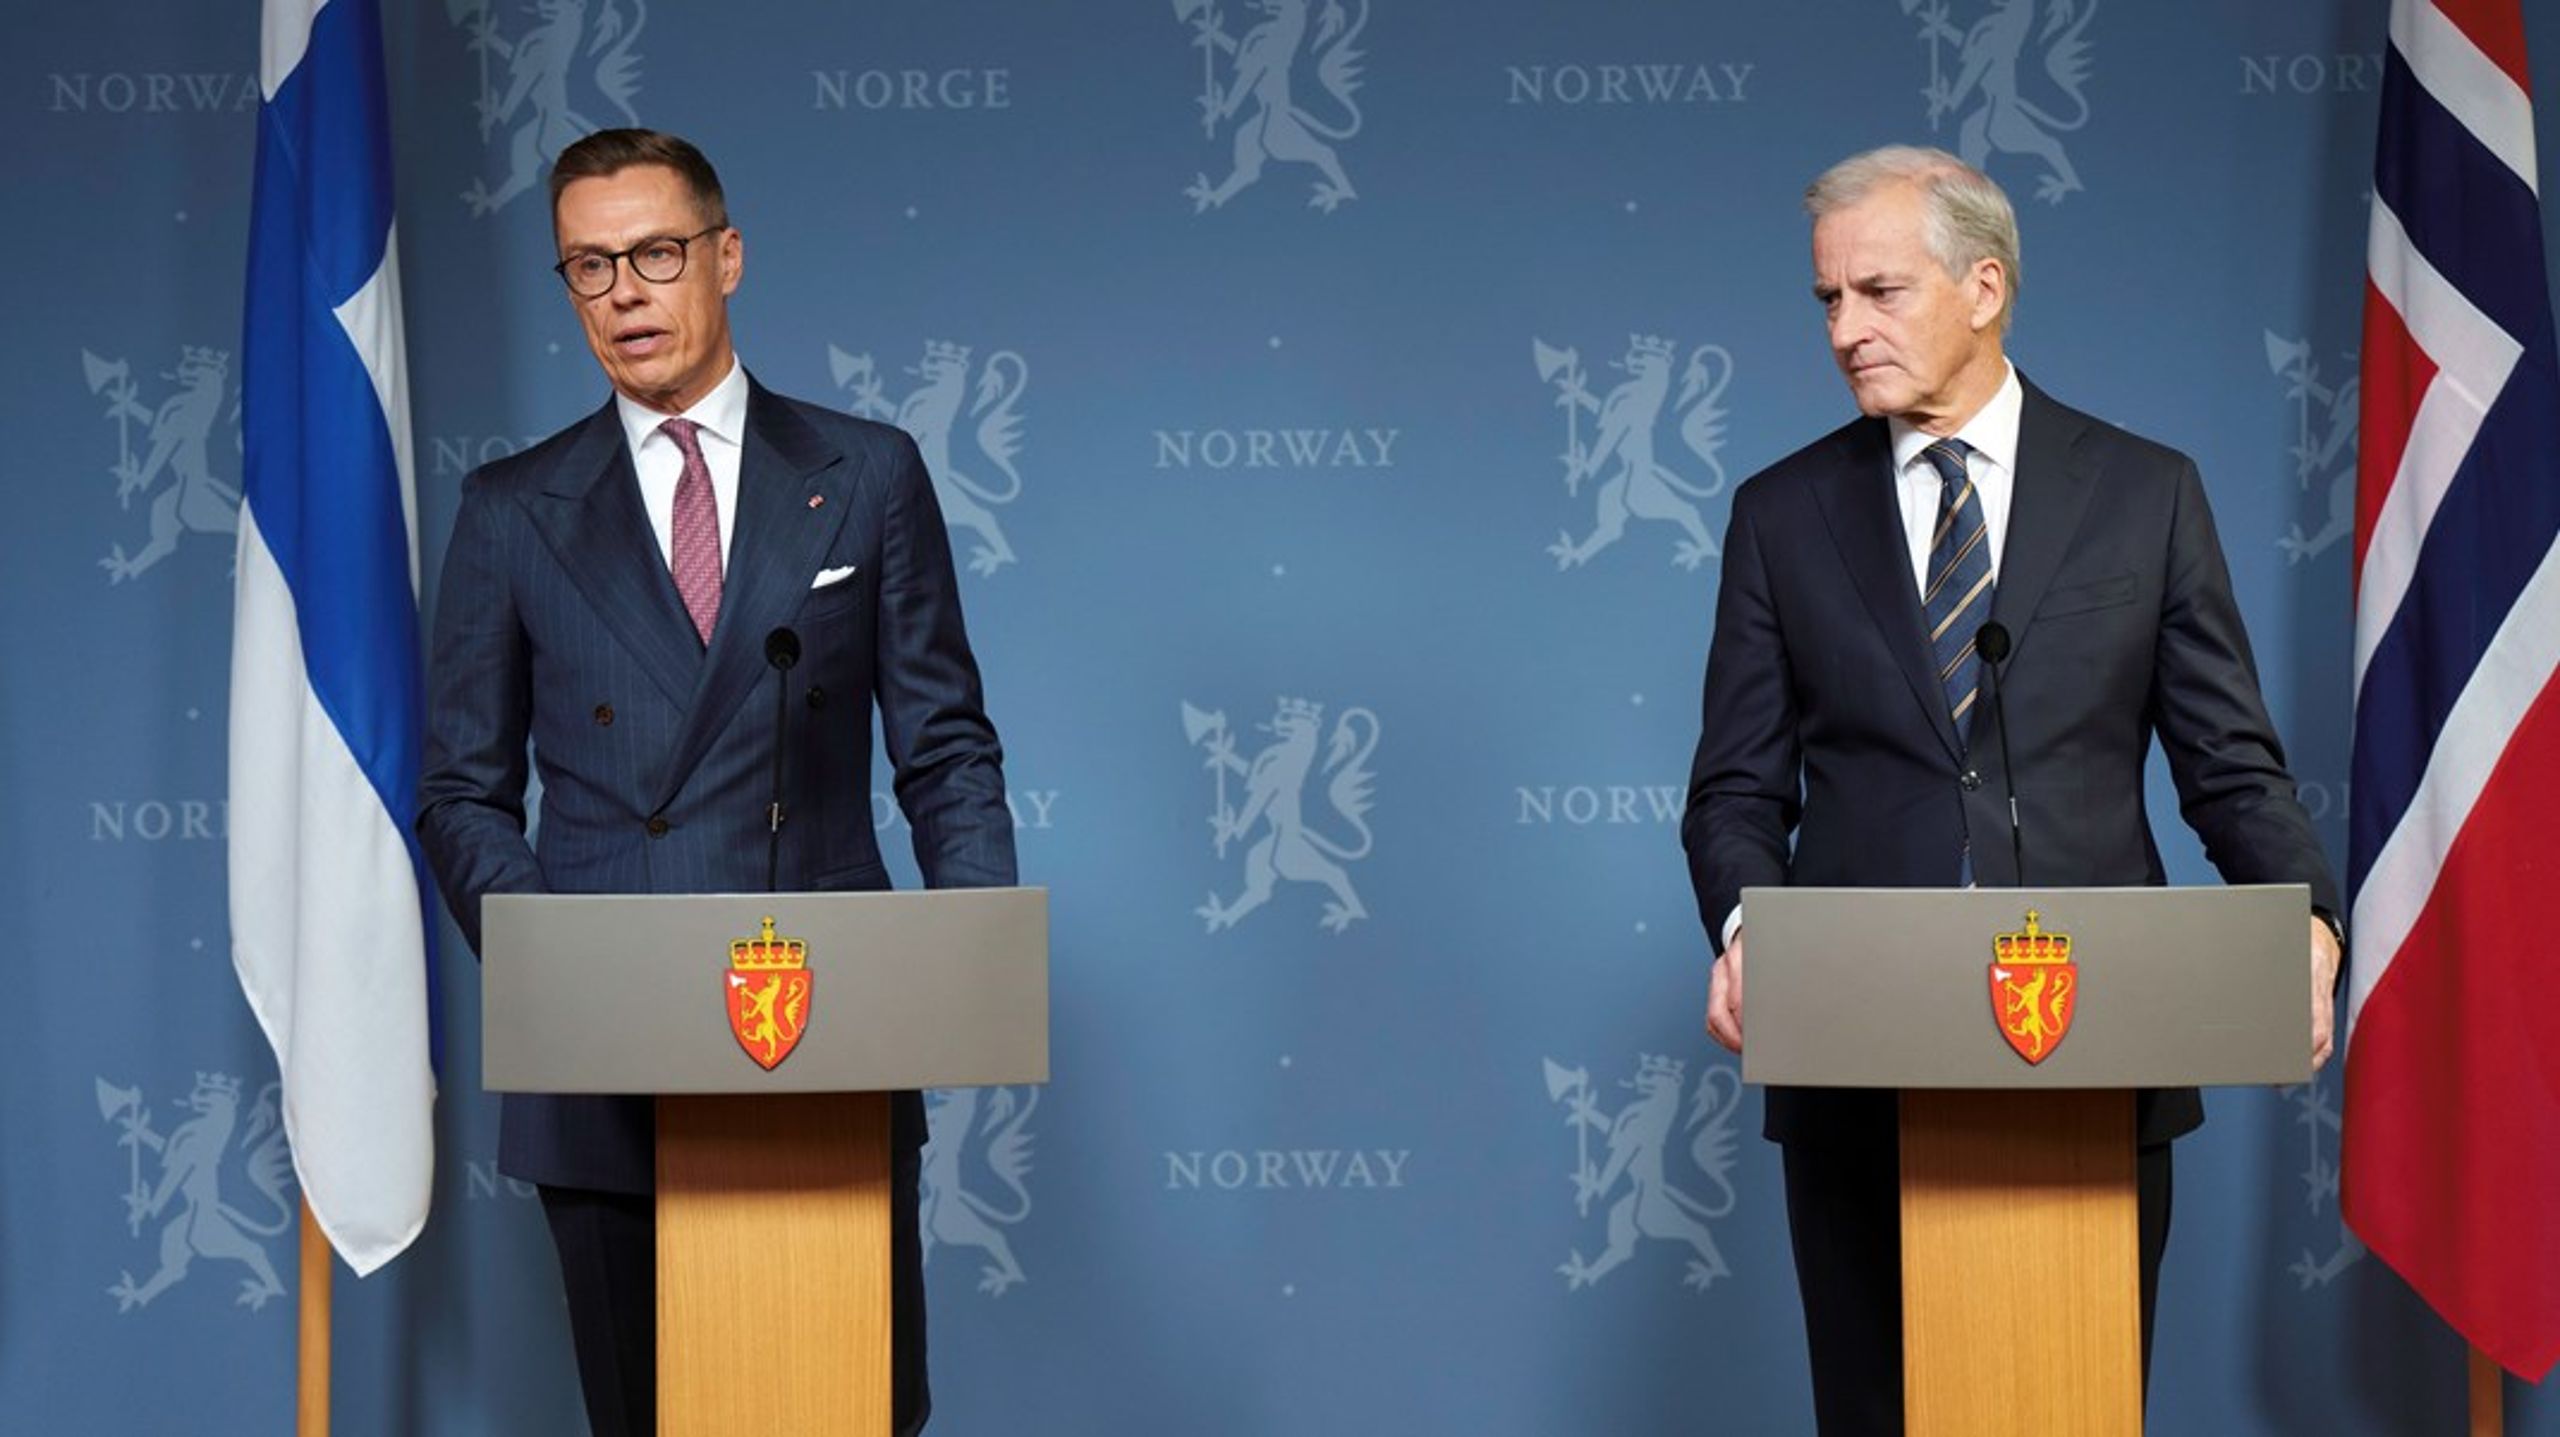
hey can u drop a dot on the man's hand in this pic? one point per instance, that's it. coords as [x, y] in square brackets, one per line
[2324, 988]
[1724, 997]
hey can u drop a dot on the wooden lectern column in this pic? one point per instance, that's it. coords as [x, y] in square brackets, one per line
[2021, 1265]
[774, 1270]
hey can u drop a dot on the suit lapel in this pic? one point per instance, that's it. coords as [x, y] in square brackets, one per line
[589, 513]
[1865, 519]
[793, 496]
[2054, 483]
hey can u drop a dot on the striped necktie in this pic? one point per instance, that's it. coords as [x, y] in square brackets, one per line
[1957, 597]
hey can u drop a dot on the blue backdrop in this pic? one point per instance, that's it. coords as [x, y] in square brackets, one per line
[1274, 358]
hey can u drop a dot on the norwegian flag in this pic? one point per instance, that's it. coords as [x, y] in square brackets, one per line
[2452, 1144]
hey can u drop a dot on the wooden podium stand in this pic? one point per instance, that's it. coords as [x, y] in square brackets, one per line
[774, 1210]
[773, 1224]
[2020, 1264]
[2021, 1305]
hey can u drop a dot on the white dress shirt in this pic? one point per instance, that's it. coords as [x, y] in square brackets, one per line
[654, 456]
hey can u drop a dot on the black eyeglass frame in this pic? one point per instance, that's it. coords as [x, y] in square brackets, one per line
[615, 259]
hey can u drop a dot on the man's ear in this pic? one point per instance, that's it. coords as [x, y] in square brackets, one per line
[1988, 285]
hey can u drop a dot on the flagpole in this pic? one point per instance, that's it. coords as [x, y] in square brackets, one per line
[311, 1383]
[2488, 1397]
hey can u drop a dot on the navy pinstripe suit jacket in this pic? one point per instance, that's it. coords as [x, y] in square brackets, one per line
[559, 623]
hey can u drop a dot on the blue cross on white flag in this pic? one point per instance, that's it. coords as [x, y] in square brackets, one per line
[328, 919]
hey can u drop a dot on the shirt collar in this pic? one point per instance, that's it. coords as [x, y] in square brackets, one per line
[722, 413]
[1992, 432]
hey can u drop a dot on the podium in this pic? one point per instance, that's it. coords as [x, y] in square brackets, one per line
[773, 1029]
[2017, 1023]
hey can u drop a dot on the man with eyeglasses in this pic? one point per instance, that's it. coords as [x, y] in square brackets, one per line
[607, 596]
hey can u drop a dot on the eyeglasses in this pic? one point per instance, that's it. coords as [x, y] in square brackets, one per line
[658, 259]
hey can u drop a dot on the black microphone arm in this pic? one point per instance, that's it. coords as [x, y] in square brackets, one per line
[1991, 644]
[782, 650]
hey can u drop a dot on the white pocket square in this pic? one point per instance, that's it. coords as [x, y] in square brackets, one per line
[827, 577]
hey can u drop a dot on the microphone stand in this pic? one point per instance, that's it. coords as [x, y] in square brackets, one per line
[1991, 642]
[782, 650]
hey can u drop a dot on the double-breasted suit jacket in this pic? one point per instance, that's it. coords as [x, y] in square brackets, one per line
[559, 624]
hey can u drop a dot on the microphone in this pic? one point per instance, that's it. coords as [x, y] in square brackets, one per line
[1991, 643]
[782, 650]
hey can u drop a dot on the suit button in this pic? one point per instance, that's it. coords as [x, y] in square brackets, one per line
[658, 825]
[604, 715]
[1969, 780]
[817, 697]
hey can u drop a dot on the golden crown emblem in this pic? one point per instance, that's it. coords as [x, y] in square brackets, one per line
[766, 953]
[2034, 945]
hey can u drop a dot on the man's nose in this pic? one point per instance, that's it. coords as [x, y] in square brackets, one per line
[628, 288]
[1848, 324]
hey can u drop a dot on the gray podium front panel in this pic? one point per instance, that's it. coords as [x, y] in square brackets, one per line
[1891, 988]
[627, 994]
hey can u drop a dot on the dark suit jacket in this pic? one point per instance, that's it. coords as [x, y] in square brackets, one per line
[1825, 722]
[559, 622]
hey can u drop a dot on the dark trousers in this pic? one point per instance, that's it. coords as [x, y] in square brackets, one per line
[608, 1245]
[1844, 1215]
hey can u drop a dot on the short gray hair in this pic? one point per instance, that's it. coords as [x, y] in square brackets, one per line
[1969, 218]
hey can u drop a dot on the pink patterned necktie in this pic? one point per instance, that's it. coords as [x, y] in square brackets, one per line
[695, 552]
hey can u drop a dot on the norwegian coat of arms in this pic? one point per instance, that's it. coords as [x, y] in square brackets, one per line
[1275, 805]
[2035, 988]
[173, 465]
[1277, 116]
[768, 984]
[1624, 452]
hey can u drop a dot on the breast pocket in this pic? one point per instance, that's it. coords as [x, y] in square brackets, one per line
[835, 594]
[2104, 593]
